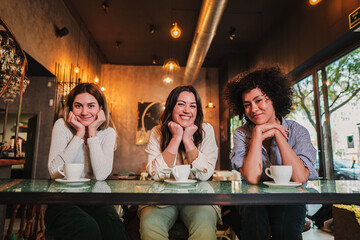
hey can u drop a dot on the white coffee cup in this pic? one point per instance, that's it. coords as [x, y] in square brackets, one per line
[181, 172]
[280, 173]
[72, 171]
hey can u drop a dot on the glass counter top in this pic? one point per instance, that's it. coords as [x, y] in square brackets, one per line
[154, 192]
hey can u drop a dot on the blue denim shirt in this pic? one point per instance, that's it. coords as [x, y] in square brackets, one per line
[299, 141]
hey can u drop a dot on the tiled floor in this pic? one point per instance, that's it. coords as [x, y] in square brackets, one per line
[314, 233]
[317, 234]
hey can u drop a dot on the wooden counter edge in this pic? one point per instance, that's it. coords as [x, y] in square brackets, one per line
[9, 162]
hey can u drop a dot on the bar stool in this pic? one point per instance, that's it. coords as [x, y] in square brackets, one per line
[34, 228]
[180, 232]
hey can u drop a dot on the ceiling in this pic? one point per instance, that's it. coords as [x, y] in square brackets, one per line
[128, 22]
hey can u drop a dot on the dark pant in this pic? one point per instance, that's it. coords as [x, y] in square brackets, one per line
[281, 222]
[84, 222]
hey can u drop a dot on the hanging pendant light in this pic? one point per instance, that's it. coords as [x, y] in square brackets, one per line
[314, 2]
[175, 31]
[171, 65]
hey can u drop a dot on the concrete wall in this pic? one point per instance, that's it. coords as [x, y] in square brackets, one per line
[36, 102]
[128, 85]
[307, 32]
[33, 24]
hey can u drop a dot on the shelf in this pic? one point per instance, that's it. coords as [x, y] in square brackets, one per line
[11, 161]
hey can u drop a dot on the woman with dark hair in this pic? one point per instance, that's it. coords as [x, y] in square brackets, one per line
[84, 136]
[264, 97]
[182, 138]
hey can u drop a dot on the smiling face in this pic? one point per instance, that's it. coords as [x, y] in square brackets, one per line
[185, 110]
[86, 107]
[258, 107]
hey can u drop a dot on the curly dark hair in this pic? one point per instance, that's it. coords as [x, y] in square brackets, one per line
[166, 117]
[270, 80]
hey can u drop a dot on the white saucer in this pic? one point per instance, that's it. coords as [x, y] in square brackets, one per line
[290, 184]
[173, 181]
[75, 187]
[64, 180]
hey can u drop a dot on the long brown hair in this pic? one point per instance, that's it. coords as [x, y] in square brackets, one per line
[166, 117]
[94, 90]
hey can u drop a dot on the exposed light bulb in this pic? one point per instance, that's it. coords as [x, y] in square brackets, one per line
[102, 89]
[168, 80]
[210, 105]
[96, 80]
[175, 32]
[77, 69]
[314, 2]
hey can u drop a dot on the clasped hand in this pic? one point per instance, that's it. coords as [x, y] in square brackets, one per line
[91, 130]
[269, 130]
[180, 133]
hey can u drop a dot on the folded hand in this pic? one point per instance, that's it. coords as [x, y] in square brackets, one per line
[176, 130]
[93, 127]
[73, 120]
[189, 132]
[268, 130]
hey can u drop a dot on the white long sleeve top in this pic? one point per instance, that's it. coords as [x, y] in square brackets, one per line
[97, 155]
[202, 167]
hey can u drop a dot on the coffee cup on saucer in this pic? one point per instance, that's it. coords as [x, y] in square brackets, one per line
[280, 173]
[181, 172]
[71, 171]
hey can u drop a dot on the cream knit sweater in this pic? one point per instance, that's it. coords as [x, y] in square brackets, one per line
[97, 155]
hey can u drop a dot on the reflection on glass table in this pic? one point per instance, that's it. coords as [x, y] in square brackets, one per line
[136, 192]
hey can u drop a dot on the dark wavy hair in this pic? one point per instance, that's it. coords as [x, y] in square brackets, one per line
[270, 80]
[94, 90]
[166, 117]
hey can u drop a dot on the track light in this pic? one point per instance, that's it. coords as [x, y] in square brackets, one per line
[105, 6]
[62, 32]
[118, 43]
[232, 33]
[155, 59]
[152, 29]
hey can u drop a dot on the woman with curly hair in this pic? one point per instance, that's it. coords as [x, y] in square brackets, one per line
[264, 97]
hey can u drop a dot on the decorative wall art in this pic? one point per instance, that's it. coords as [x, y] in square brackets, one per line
[148, 117]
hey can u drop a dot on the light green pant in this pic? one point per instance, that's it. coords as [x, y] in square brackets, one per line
[155, 222]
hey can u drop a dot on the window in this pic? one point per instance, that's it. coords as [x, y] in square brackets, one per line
[303, 108]
[339, 97]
